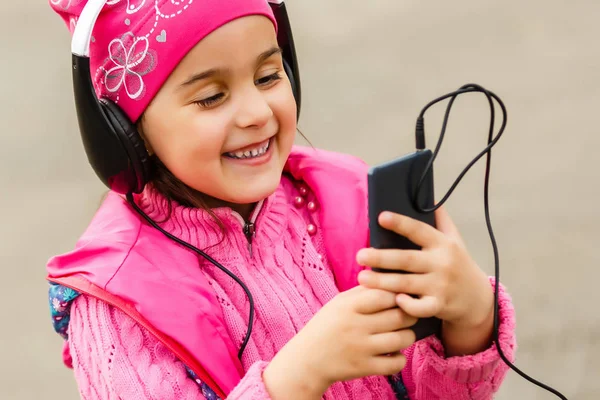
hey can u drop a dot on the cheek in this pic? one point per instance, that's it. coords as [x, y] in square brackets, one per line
[189, 142]
[284, 108]
[196, 132]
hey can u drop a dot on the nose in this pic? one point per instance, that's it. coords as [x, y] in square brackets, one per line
[254, 110]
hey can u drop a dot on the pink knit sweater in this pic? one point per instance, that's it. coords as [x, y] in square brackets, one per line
[115, 358]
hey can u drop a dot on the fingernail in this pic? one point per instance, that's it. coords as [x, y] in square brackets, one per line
[363, 276]
[363, 256]
[360, 257]
[399, 298]
[385, 216]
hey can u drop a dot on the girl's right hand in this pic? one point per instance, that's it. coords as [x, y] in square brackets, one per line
[359, 333]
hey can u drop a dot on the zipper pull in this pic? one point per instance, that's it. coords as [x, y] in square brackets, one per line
[249, 231]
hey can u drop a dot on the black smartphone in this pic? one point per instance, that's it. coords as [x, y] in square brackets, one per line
[392, 187]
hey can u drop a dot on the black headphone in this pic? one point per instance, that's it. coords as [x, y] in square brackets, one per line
[112, 143]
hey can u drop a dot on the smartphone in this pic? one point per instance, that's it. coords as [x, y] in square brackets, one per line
[392, 187]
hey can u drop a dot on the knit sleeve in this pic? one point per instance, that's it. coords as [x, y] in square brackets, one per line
[116, 358]
[429, 375]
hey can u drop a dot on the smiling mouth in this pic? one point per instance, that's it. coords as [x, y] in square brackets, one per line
[257, 151]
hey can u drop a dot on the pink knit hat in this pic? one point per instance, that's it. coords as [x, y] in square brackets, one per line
[136, 44]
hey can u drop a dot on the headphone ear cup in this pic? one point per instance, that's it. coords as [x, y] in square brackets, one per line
[290, 74]
[126, 132]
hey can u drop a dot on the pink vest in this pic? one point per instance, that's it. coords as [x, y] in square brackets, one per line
[118, 248]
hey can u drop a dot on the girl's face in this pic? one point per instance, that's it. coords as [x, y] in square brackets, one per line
[225, 120]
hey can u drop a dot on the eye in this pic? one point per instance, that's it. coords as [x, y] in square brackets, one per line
[267, 80]
[210, 101]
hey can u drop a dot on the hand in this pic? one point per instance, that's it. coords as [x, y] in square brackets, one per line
[359, 333]
[447, 281]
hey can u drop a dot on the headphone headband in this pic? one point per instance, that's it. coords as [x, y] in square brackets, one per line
[82, 36]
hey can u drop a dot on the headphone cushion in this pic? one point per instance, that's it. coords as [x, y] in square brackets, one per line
[290, 74]
[134, 145]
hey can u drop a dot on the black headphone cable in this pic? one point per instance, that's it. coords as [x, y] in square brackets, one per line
[211, 260]
[420, 145]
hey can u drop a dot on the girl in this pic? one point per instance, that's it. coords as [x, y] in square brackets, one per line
[146, 318]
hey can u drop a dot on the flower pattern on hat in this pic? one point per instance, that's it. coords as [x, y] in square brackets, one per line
[132, 60]
[130, 57]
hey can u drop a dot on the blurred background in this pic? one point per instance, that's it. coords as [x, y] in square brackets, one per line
[368, 67]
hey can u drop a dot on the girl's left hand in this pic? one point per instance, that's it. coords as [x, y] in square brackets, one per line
[448, 282]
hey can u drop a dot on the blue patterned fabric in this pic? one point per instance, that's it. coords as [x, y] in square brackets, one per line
[398, 387]
[207, 392]
[60, 298]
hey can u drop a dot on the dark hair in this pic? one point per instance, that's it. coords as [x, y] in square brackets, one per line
[173, 189]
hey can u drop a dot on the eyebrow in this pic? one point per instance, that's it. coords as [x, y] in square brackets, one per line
[214, 71]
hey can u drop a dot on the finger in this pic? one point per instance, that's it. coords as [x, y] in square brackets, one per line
[392, 342]
[394, 259]
[386, 365]
[445, 224]
[371, 301]
[424, 307]
[418, 232]
[390, 320]
[417, 284]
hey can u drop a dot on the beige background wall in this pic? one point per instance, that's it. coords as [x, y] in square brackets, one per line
[367, 69]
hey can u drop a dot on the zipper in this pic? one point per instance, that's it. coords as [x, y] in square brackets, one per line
[249, 231]
[249, 227]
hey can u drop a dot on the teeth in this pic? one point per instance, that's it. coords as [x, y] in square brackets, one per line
[251, 153]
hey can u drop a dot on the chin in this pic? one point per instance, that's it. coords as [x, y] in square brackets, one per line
[249, 194]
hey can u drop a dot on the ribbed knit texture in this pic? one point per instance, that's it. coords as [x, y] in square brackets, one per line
[288, 276]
